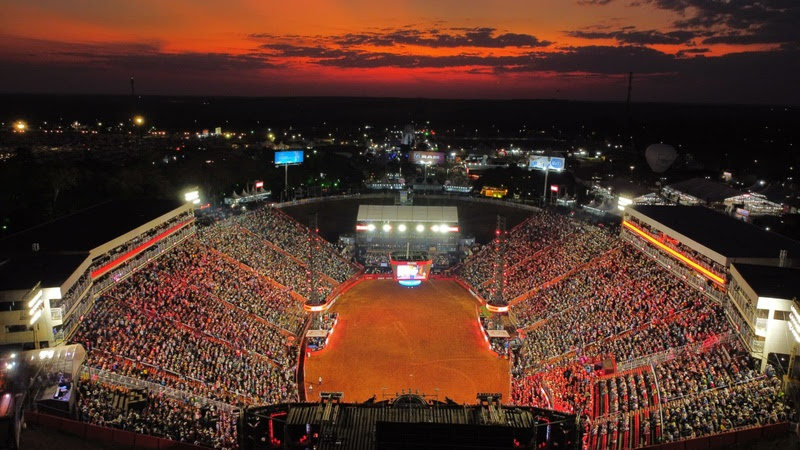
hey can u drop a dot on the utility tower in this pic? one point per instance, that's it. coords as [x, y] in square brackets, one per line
[498, 302]
[313, 248]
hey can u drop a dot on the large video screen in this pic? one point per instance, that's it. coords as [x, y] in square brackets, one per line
[409, 272]
[290, 157]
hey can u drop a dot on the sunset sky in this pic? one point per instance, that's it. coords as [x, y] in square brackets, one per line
[730, 51]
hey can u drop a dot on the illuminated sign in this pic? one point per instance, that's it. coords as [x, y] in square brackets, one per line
[554, 188]
[488, 191]
[287, 158]
[259, 184]
[192, 197]
[546, 163]
[418, 157]
[697, 267]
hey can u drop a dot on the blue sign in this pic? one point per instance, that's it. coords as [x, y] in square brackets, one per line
[291, 157]
[546, 163]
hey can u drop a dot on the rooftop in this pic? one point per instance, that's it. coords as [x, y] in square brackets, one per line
[89, 228]
[20, 272]
[707, 190]
[389, 213]
[770, 281]
[720, 233]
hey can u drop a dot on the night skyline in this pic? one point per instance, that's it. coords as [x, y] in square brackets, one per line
[680, 50]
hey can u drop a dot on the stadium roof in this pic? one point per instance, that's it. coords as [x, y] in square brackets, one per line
[383, 425]
[717, 232]
[770, 281]
[389, 213]
[24, 271]
[89, 228]
[706, 190]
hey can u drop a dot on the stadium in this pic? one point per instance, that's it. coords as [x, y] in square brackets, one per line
[259, 330]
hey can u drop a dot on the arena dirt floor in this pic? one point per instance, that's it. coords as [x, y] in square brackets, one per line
[422, 338]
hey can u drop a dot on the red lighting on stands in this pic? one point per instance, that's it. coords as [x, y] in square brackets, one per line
[137, 250]
[361, 228]
[710, 275]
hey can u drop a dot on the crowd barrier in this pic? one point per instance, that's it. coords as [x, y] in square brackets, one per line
[103, 434]
[731, 438]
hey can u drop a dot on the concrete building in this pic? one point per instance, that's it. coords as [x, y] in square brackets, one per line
[51, 274]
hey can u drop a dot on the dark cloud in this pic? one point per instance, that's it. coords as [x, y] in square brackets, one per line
[738, 21]
[627, 35]
[133, 57]
[692, 51]
[434, 38]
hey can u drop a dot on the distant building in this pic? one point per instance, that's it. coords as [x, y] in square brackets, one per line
[701, 191]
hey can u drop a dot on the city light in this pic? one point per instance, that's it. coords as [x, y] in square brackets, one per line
[20, 126]
[138, 120]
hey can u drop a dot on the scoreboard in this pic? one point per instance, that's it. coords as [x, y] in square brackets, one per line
[410, 271]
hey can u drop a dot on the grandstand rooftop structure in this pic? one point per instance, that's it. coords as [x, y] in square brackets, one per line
[409, 421]
[761, 300]
[703, 241]
[100, 225]
[387, 227]
[407, 214]
[49, 274]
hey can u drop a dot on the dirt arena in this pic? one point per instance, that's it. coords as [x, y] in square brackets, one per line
[393, 337]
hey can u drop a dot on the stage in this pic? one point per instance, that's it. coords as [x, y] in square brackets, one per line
[394, 337]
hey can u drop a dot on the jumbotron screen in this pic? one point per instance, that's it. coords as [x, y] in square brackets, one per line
[411, 271]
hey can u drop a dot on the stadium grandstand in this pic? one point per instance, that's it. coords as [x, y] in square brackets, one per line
[200, 335]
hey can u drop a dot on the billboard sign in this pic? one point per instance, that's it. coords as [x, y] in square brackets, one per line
[288, 158]
[546, 163]
[418, 157]
[259, 184]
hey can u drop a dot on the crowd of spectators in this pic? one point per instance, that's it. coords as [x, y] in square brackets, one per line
[523, 242]
[275, 226]
[160, 416]
[249, 249]
[376, 259]
[123, 339]
[196, 288]
[587, 300]
[578, 248]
